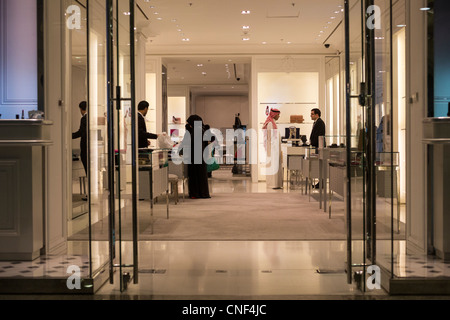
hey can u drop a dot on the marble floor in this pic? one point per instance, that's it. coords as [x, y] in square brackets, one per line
[230, 269]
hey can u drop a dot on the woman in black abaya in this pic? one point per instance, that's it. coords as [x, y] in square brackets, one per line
[197, 172]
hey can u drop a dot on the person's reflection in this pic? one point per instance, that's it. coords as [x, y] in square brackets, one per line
[82, 133]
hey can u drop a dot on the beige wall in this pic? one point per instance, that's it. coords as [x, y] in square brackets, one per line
[416, 67]
[219, 111]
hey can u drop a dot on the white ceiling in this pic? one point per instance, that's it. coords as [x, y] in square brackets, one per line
[218, 23]
[216, 54]
[215, 32]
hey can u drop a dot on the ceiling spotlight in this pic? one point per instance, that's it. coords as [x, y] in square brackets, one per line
[245, 12]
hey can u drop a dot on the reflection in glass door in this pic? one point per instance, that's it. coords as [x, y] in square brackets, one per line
[123, 118]
[370, 169]
[112, 136]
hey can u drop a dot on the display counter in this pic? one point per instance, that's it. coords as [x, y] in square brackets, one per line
[22, 188]
[437, 137]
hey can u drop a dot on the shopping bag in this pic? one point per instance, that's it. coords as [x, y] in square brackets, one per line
[164, 141]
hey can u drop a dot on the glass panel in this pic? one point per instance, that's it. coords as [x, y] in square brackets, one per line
[356, 142]
[98, 135]
[125, 154]
[76, 69]
[386, 161]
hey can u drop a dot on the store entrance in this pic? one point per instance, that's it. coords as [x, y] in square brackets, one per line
[113, 137]
[104, 224]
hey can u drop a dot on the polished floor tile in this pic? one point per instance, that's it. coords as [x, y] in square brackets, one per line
[231, 269]
[240, 269]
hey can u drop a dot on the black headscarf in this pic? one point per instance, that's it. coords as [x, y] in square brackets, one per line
[191, 123]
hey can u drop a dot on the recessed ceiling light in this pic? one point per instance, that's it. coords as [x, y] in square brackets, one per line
[245, 12]
[185, 39]
[245, 39]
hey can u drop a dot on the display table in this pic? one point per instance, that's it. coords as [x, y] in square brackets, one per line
[22, 188]
[294, 164]
[154, 177]
[437, 137]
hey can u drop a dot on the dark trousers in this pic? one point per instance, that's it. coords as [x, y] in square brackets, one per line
[84, 161]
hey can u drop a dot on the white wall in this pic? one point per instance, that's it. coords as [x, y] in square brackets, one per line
[56, 172]
[416, 67]
[308, 91]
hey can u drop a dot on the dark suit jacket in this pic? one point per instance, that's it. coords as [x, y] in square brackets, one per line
[317, 131]
[143, 135]
[82, 133]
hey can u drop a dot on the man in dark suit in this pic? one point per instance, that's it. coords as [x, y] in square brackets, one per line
[317, 131]
[318, 128]
[82, 133]
[143, 135]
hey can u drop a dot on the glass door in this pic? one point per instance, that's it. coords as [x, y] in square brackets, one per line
[370, 179]
[121, 100]
[113, 146]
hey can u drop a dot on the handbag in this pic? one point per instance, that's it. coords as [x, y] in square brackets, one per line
[213, 166]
